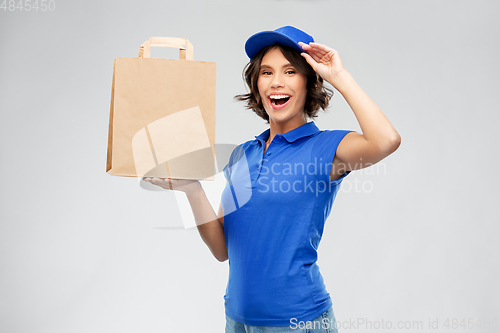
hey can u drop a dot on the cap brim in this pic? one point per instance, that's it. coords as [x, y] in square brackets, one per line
[265, 38]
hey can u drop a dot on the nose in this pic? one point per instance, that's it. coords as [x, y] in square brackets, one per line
[277, 81]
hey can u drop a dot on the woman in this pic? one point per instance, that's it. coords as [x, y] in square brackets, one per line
[281, 186]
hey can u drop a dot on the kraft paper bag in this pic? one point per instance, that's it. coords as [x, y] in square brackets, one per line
[162, 117]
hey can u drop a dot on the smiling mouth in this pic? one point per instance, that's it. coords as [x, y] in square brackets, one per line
[278, 100]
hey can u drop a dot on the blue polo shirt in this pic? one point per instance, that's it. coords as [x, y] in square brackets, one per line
[275, 207]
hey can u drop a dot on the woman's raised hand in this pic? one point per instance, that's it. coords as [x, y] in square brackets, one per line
[324, 60]
[184, 185]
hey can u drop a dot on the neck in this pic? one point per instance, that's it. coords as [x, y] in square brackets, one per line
[284, 127]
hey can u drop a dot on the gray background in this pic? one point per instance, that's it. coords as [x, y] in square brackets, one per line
[81, 251]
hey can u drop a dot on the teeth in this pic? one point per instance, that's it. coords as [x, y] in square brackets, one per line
[278, 96]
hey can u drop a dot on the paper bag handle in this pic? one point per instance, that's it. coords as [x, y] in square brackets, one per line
[184, 46]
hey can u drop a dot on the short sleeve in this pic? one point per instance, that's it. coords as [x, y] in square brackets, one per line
[325, 149]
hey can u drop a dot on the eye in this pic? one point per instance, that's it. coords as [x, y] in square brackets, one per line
[290, 71]
[265, 73]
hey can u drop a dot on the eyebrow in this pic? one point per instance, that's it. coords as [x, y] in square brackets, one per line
[267, 66]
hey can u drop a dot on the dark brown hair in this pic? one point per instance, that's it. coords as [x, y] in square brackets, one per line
[318, 96]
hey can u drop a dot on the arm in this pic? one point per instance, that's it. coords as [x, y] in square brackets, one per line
[379, 138]
[210, 227]
[212, 232]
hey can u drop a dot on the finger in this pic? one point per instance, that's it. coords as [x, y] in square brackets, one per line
[317, 57]
[312, 52]
[304, 46]
[310, 60]
[309, 50]
[324, 52]
[322, 47]
[318, 49]
[320, 53]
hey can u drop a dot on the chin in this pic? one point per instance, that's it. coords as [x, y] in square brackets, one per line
[280, 117]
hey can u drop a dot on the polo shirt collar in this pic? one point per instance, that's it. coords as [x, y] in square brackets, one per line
[302, 131]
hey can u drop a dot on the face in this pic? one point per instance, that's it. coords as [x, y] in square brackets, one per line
[282, 88]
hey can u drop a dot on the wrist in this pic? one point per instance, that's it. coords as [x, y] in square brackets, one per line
[194, 190]
[341, 80]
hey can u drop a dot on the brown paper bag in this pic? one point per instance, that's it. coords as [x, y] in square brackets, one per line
[162, 118]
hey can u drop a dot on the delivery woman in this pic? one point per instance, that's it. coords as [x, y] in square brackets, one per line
[281, 185]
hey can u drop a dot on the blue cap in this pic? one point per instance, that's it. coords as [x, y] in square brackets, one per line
[288, 36]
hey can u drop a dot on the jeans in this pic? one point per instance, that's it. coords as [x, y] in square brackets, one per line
[325, 323]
